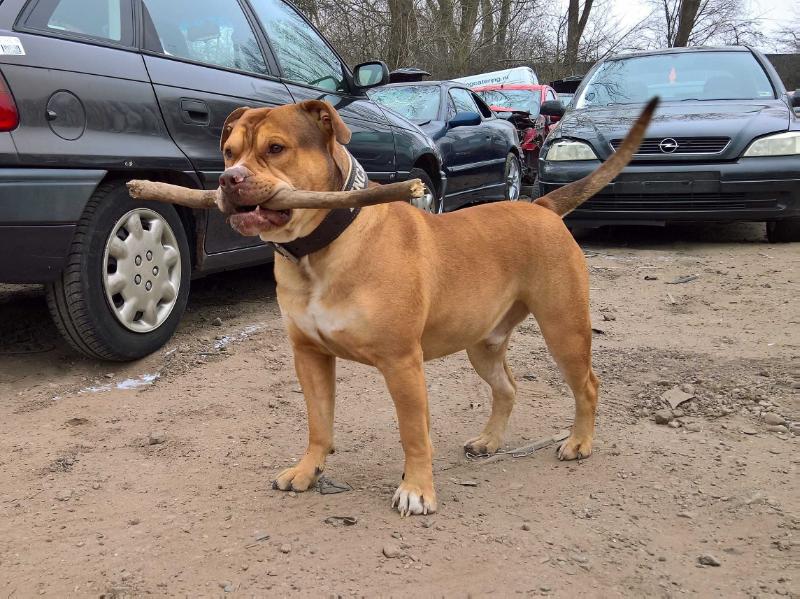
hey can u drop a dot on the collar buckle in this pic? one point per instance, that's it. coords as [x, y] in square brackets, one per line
[284, 252]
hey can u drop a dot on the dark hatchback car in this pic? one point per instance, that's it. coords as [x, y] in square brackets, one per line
[724, 144]
[96, 92]
[480, 152]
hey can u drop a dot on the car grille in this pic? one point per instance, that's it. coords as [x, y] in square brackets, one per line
[686, 145]
[669, 202]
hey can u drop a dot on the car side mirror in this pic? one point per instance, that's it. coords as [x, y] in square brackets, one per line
[371, 74]
[796, 99]
[465, 119]
[552, 108]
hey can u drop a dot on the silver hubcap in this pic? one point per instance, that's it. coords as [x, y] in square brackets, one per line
[142, 270]
[513, 182]
[425, 202]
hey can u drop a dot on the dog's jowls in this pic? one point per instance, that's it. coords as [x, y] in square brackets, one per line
[400, 286]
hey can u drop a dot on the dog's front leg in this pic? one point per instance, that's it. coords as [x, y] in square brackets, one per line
[406, 381]
[317, 375]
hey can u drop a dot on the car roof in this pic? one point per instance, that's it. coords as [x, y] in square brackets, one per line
[443, 82]
[689, 50]
[512, 86]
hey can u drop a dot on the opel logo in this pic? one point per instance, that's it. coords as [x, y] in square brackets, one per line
[668, 146]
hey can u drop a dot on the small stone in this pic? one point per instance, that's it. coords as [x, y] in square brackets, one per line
[217, 322]
[749, 431]
[134, 521]
[773, 418]
[544, 588]
[391, 550]
[526, 526]
[688, 388]
[226, 586]
[578, 558]
[96, 486]
[674, 424]
[286, 548]
[777, 428]
[693, 427]
[709, 560]
[650, 278]
[688, 515]
[156, 438]
[609, 317]
[64, 495]
[663, 416]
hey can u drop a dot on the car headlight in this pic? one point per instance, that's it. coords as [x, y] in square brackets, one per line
[782, 144]
[569, 149]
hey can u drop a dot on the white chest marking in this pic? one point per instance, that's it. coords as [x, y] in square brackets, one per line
[318, 321]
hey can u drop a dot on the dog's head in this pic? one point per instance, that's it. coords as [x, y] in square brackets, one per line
[297, 146]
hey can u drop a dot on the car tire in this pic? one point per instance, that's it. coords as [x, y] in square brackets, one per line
[536, 190]
[125, 286]
[783, 231]
[512, 175]
[428, 202]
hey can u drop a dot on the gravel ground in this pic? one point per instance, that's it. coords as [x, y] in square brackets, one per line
[153, 478]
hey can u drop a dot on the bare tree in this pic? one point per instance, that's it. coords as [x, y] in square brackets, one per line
[678, 23]
[576, 23]
[687, 17]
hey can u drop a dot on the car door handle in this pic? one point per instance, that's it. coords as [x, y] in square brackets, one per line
[195, 112]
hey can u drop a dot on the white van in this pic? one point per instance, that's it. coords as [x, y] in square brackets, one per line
[518, 75]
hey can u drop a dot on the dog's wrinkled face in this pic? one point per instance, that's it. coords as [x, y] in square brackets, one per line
[295, 146]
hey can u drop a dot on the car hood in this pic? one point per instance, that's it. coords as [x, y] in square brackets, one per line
[741, 121]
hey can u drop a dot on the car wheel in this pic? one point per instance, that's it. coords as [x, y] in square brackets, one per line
[125, 286]
[513, 178]
[783, 231]
[428, 202]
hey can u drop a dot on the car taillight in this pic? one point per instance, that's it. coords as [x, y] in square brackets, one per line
[9, 117]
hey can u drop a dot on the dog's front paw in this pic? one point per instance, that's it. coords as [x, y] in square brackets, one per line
[299, 478]
[483, 444]
[575, 448]
[410, 499]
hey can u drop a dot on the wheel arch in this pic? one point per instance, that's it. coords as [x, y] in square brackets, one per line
[430, 164]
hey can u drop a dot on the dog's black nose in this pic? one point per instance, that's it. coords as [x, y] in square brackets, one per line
[233, 177]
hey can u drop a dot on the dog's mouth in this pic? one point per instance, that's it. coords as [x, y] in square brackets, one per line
[252, 220]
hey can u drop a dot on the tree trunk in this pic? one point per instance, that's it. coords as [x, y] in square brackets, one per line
[686, 21]
[402, 30]
[576, 23]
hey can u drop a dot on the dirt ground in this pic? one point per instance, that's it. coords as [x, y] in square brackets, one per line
[115, 483]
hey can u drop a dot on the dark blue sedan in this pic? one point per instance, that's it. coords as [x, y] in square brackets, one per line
[480, 152]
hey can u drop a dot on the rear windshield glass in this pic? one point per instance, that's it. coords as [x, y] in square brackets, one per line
[677, 77]
[522, 100]
[418, 103]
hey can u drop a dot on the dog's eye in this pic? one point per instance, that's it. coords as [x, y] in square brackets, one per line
[228, 153]
[275, 149]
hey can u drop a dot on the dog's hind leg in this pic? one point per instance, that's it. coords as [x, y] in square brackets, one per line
[490, 363]
[317, 375]
[488, 358]
[566, 328]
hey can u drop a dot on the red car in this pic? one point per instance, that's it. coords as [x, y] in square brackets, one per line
[520, 104]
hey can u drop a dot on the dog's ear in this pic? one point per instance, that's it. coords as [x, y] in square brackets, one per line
[328, 119]
[227, 127]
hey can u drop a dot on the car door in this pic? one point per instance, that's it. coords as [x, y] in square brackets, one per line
[469, 148]
[311, 70]
[205, 59]
[503, 138]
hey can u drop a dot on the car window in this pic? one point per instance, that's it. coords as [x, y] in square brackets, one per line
[303, 55]
[214, 32]
[418, 103]
[463, 100]
[451, 108]
[110, 20]
[521, 100]
[550, 95]
[484, 109]
[676, 77]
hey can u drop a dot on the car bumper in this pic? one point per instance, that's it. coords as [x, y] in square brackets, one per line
[39, 210]
[751, 189]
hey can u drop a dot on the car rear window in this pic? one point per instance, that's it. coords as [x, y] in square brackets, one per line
[521, 100]
[106, 20]
[683, 76]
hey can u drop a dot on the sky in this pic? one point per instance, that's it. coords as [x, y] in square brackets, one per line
[772, 14]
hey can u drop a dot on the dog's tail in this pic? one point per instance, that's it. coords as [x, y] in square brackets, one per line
[565, 199]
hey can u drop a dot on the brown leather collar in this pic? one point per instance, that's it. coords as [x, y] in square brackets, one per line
[333, 225]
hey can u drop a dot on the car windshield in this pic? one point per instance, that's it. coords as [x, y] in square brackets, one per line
[523, 100]
[418, 103]
[677, 77]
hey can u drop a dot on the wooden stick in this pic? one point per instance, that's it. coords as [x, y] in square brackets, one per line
[283, 199]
